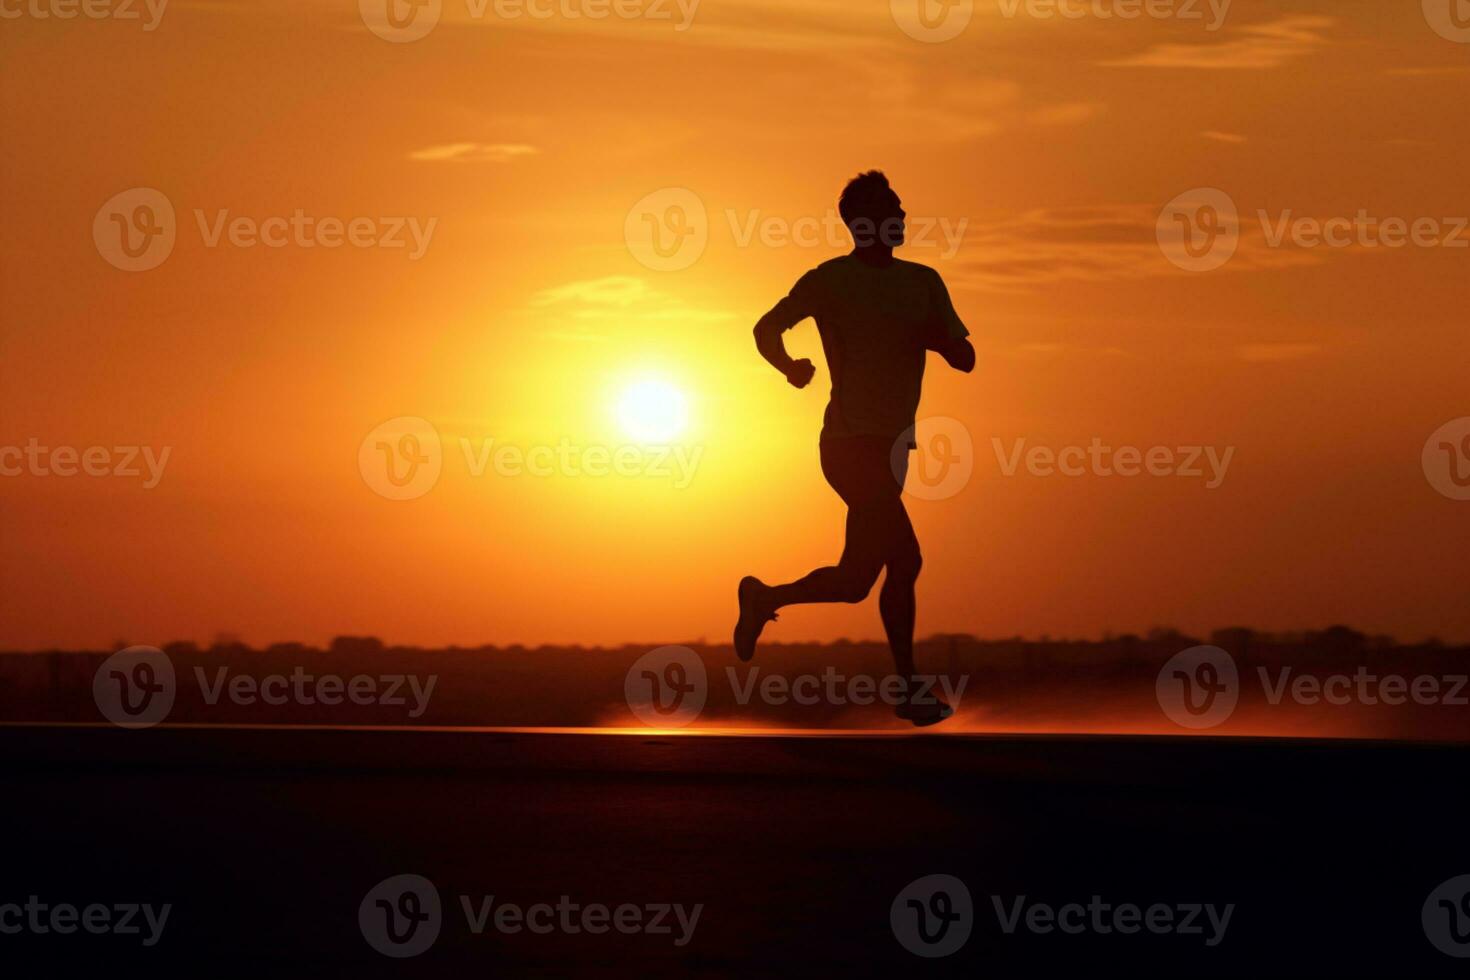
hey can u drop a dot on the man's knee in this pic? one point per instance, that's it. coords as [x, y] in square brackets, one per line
[905, 563]
[854, 583]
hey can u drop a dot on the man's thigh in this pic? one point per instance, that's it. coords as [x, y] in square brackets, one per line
[861, 470]
[880, 533]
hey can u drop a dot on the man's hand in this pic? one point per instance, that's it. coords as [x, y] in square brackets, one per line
[800, 373]
[768, 341]
[957, 352]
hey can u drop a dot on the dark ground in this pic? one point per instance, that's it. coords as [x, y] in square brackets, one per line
[265, 841]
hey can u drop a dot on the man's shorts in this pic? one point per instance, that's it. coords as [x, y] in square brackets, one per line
[864, 469]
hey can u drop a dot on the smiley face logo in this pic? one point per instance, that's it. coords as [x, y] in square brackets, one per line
[935, 458]
[1198, 687]
[1450, 19]
[402, 458]
[932, 916]
[667, 230]
[932, 21]
[134, 688]
[135, 230]
[401, 916]
[1199, 230]
[1446, 459]
[666, 687]
[400, 21]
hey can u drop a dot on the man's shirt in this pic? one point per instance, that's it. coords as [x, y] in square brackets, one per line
[874, 323]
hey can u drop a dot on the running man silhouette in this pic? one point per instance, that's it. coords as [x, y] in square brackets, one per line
[877, 316]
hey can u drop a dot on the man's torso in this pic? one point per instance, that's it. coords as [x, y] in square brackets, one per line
[871, 320]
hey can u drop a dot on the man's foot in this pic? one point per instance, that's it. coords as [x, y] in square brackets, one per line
[930, 711]
[755, 612]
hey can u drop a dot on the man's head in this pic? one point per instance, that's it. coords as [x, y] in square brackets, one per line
[872, 211]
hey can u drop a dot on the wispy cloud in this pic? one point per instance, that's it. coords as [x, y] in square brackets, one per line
[1058, 349]
[1066, 113]
[474, 152]
[597, 309]
[1258, 46]
[1438, 71]
[1098, 244]
[1219, 137]
[1274, 353]
[619, 292]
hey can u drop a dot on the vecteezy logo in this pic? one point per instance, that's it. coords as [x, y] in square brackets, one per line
[667, 230]
[1446, 917]
[932, 21]
[134, 688]
[1198, 687]
[135, 230]
[1446, 459]
[1450, 19]
[667, 687]
[400, 21]
[942, 461]
[1199, 230]
[401, 915]
[402, 458]
[932, 916]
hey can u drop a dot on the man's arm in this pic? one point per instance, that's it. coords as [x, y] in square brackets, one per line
[957, 352]
[768, 341]
[947, 335]
[783, 316]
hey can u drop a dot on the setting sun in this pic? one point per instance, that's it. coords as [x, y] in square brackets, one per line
[653, 411]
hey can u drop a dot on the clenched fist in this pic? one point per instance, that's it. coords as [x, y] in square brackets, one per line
[801, 373]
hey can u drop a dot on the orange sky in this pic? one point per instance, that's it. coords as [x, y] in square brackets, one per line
[1055, 141]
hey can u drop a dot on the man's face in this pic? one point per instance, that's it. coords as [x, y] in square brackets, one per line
[891, 226]
[883, 224]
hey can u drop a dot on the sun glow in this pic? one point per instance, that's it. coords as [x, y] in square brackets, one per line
[653, 411]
